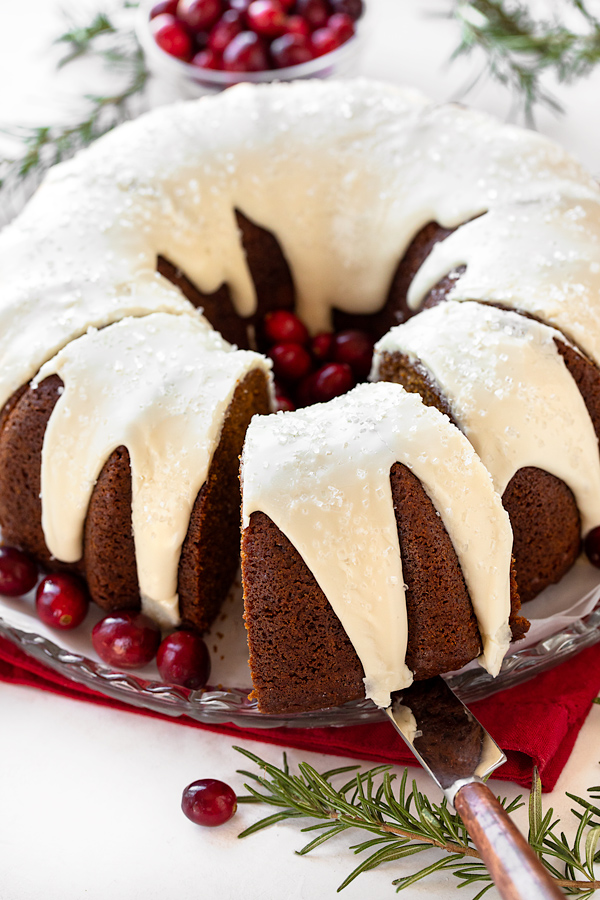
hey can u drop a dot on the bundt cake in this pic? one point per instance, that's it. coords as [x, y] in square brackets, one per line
[354, 203]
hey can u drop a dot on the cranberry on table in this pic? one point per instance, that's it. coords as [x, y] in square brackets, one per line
[291, 50]
[591, 546]
[297, 25]
[324, 40]
[164, 6]
[18, 572]
[282, 325]
[209, 802]
[321, 345]
[342, 25]
[332, 380]
[316, 12]
[266, 17]
[352, 8]
[199, 15]
[224, 31]
[245, 53]
[171, 36]
[290, 361]
[354, 348]
[61, 601]
[183, 659]
[126, 640]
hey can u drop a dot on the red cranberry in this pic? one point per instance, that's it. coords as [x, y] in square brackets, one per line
[199, 15]
[332, 380]
[266, 17]
[297, 25]
[323, 41]
[342, 25]
[282, 325]
[164, 6]
[291, 50]
[225, 30]
[290, 361]
[245, 53]
[18, 572]
[209, 802]
[316, 12]
[305, 393]
[171, 36]
[126, 640]
[183, 658]
[240, 6]
[321, 345]
[207, 59]
[352, 8]
[61, 601]
[356, 349]
[592, 546]
[283, 402]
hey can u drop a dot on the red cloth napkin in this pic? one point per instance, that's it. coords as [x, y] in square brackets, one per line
[535, 723]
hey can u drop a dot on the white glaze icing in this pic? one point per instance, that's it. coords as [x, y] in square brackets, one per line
[322, 474]
[345, 173]
[509, 390]
[542, 258]
[160, 386]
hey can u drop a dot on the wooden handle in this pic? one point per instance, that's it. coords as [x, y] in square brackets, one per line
[515, 869]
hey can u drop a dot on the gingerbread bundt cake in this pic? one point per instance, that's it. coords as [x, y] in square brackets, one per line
[356, 204]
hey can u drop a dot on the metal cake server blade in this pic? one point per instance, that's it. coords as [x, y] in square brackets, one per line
[458, 753]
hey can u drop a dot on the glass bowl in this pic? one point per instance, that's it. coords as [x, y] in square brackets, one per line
[194, 82]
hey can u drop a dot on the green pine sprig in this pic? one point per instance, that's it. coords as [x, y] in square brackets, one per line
[519, 49]
[402, 822]
[45, 145]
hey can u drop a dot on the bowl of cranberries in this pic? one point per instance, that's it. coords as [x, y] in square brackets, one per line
[209, 45]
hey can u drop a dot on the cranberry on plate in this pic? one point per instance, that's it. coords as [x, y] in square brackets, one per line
[18, 572]
[332, 380]
[591, 546]
[183, 659]
[61, 601]
[281, 326]
[126, 640]
[290, 361]
[209, 802]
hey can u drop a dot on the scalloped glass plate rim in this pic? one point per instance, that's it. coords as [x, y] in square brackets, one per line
[219, 705]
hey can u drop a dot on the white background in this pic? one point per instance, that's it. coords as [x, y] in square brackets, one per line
[89, 797]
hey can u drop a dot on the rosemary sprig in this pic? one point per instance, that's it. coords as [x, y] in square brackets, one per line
[519, 49]
[45, 145]
[404, 822]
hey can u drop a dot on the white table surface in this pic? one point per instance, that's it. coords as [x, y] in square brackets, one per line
[89, 797]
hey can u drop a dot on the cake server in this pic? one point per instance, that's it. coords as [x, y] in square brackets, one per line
[458, 753]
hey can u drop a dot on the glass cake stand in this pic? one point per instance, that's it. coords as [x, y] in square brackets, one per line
[220, 704]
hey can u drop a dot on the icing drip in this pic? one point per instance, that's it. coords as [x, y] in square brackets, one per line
[322, 474]
[554, 271]
[160, 386]
[509, 391]
[344, 173]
